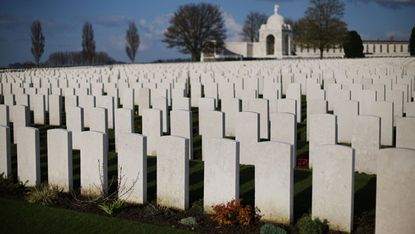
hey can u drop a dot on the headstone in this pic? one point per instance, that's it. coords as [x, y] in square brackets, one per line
[205, 104]
[273, 166]
[287, 106]
[366, 143]
[108, 103]
[284, 129]
[181, 103]
[161, 104]
[405, 133]
[5, 152]
[132, 167]
[294, 92]
[260, 106]
[247, 133]
[94, 163]
[39, 105]
[395, 202]
[75, 124]
[230, 107]
[333, 186]
[152, 129]
[181, 125]
[124, 123]
[221, 172]
[4, 115]
[346, 112]
[383, 110]
[60, 171]
[55, 110]
[143, 100]
[315, 106]
[28, 156]
[173, 172]
[100, 117]
[323, 131]
[19, 115]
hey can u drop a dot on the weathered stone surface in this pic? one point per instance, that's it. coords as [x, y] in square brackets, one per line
[60, 171]
[323, 131]
[55, 110]
[152, 128]
[284, 129]
[94, 163]
[75, 124]
[28, 156]
[4, 115]
[181, 125]
[247, 133]
[366, 142]
[274, 181]
[5, 151]
[333, 186]
[395, 188]
[231, 107]
[221, 172]
[346, 112]
[132, 167]
[405, 133]
[173, 172]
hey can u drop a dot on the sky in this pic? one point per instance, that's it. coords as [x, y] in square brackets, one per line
[62, 23]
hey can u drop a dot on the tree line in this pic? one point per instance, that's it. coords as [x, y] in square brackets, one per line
[88, 55]
[196, 28]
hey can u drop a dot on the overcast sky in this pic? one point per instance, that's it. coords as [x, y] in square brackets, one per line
[62, 23]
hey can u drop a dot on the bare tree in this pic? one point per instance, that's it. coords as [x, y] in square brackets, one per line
[38, 41]
[322, 27]
[253, 22]
[194, 27]
[133, 41]
[88, 43]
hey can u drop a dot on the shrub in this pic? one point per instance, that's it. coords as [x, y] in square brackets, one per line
[44, 195]
[233, 213]
[111, 207]
[306, 225]
[271, 229]
[156, 210]
[9, 187]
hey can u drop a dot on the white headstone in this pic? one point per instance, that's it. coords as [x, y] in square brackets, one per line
[274, 181]
[181, 125]
[405, 133]
[333, 186]
[5, 151]
[94, 163]
[221, 172]
[323, 131]
[284, 129]
[152, 129]
[132, 167]
[28, 156]
[395, 188]
[173, 172]
[60, 158]
[366, 142]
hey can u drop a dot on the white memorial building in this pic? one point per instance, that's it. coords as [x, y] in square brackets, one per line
[276, 41]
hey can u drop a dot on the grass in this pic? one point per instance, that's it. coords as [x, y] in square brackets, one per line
[365, 185]
[21, 217]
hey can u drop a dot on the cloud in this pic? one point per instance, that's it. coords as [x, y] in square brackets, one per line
[233, 28]
[111, 21]
[152, 31]
[392, 3]
[397, 35]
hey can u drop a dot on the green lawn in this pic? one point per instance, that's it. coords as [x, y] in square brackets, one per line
[21, 217]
